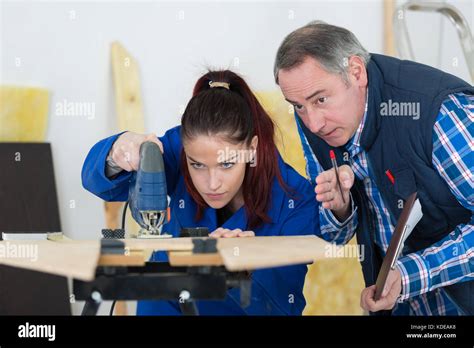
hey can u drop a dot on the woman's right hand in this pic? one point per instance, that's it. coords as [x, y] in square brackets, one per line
[126, 150]
[226, 233]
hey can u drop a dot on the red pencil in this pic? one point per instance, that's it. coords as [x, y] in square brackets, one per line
[332, 155]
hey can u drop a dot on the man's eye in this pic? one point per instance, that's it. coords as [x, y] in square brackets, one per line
[227, 165]
[322, 100]
[197, 165]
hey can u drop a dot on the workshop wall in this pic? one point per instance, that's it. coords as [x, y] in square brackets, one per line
[64, 47]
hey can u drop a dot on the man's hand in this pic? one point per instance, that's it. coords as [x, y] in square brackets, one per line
[328, 193]
[226, 233]
[126, 150]
[390, 293]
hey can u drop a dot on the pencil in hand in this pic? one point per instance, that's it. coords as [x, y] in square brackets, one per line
[332, 155]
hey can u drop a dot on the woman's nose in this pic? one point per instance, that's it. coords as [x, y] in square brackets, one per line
[214, 181]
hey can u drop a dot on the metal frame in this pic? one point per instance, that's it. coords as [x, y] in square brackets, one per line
[404, 46]
[160, 281]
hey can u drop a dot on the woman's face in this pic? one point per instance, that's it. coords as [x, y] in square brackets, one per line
[217, 168]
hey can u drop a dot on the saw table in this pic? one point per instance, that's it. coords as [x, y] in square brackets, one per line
[198, 268]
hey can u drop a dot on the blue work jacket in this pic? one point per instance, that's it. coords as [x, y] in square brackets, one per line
[275, 291]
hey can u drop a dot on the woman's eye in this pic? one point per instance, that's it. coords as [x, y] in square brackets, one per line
[298, 107]
[196, 165]
[322, 100]
[227, 165]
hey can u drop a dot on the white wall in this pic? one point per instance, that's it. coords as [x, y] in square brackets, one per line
[68, 53]
[64, 46]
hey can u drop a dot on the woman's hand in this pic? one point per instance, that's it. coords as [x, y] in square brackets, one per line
[226, 233]
[126, 150]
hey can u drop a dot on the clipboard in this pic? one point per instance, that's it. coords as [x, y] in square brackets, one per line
[410, 216]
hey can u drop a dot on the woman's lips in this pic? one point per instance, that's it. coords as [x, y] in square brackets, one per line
[215, 196]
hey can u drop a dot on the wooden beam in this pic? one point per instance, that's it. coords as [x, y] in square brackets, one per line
[388, 13]
[129, 110]
[187, 258]
[132, 259]
[128, 98]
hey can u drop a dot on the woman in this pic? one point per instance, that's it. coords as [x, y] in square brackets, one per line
[224, 172]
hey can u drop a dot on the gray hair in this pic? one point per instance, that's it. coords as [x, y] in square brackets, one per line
[331, 46]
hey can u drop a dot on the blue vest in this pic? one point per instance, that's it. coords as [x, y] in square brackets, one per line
[404, 146]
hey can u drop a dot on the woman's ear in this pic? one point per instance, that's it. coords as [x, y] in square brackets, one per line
[254, 143]
[253, 151]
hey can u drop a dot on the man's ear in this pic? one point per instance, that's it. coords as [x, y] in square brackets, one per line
[357, 71]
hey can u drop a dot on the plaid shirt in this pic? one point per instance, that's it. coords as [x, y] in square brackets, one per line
[451, 259]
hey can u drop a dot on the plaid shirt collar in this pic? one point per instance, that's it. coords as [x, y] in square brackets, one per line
[353, 145]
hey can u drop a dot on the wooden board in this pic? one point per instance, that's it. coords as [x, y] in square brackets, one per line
[129, 111]
[389, 40]
[241, 254]
[163, 244]
[133, 259]
[79, 259]
[187, 258]
[128, 100]
[76, 259]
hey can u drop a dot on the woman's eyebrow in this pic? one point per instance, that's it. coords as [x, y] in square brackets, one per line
[192, 159]
[228, 160]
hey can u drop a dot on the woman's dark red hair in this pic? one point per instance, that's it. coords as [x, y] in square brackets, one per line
[237, 113]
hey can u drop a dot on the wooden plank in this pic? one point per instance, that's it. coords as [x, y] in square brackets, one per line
[187, 258]
[389, 41]
[77, 259]
[134, 259]
[244, 253]
[128, 99]
[163, 244]
[129, 112]
[263, 252]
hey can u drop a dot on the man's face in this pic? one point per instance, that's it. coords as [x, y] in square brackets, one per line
[331, 108]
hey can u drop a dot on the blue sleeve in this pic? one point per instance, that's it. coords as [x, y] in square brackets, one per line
[285, 285]
[279, 291]
[153, 307]
[302, 207]
[116, 189]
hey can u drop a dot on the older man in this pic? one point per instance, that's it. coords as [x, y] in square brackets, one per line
[400, 127]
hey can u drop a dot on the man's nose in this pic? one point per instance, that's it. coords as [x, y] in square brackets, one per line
[314, 122]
